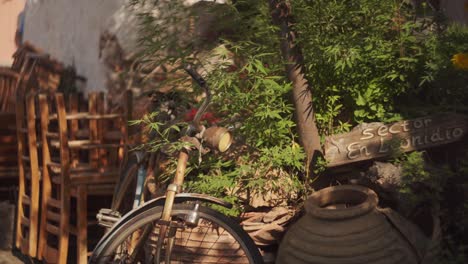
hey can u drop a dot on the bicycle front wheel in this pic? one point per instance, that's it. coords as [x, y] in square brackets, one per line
[216, 239]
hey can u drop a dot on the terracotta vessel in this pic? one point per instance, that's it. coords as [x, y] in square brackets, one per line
[343, 225]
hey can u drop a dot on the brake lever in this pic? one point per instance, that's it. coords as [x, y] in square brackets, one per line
[189, 69]
[202, 83]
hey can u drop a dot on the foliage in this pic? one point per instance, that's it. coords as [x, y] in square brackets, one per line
[455, 242]
[420, 183]
[453, 252]
[381, 61]
[250, 94]
[366, 61]
[360, 55]
[254, 95]
[425, 183]
[443, 83]
[370, 60]
[163, 134]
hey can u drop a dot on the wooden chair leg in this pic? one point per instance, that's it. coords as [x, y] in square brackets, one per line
[35, 189]
[64, 229]
[82, 225]
[21, 176]
[42, 228]
[20, 213]
[46, 182]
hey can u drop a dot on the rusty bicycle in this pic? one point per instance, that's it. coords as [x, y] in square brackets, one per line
[178, 227]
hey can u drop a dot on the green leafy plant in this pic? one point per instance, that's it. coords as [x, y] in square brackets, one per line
[250, 95]
[366, 61]
[360, 56]
[443, 85]
[416, 173]
[425, 184]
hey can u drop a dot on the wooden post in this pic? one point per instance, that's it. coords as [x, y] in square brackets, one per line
[93, 128]
[101, 127]
[74, 126]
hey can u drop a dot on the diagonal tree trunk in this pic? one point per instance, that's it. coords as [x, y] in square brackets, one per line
[307, 129]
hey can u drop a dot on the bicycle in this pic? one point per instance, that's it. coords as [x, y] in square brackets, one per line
[177, 227]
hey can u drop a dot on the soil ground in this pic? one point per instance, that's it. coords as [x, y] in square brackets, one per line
[9, 257]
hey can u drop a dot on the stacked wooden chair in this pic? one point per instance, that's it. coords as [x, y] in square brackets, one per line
[8, 162]
[19, 57]
[69, 152]
[8, 82]
[27, 224]
[35, 72]
[82, 154]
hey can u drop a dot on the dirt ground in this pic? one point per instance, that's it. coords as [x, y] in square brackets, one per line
[8, 257]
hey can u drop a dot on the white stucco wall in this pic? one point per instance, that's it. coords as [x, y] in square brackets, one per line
[9, 11]
[69, 30]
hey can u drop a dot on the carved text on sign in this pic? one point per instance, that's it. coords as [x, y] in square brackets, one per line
[378, 140]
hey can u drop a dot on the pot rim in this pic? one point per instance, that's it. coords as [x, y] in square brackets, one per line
[364, 201]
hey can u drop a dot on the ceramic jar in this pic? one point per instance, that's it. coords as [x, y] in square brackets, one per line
[343, 225]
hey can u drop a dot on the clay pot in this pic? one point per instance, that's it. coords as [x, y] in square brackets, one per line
[343, 225]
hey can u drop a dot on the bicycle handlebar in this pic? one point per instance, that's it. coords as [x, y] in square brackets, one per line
[202, 83]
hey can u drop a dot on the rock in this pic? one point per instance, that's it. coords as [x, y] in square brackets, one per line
[386, 175]
[385, 179]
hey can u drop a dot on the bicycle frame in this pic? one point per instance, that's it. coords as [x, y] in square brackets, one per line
[171, 191]
[167, 228]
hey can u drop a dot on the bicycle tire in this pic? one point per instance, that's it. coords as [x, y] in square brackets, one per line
[232, 244]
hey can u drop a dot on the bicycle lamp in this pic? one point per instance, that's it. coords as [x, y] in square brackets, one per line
[218, 137]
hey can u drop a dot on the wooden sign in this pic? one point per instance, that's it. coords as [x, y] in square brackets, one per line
[375, 140]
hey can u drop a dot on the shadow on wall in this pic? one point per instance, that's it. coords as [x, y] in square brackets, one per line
[456, 10]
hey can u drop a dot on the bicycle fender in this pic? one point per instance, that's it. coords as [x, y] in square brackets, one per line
[181, 197]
